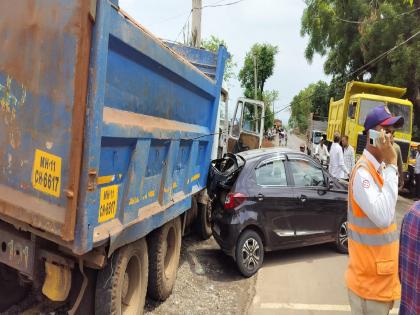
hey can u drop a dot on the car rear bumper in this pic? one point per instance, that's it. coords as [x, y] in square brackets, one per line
[226, 233]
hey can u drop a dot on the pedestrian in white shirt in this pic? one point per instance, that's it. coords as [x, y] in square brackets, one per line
[348, 154]
[417, 172]
[372, 273]
[337, 167]
[321, 152]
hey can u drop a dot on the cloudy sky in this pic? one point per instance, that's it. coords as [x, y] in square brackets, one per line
[241, 25]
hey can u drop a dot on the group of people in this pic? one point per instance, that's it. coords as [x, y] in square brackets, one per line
[340, 158]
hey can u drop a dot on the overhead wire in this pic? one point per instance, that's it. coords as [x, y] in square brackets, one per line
[384, 54]
[382, 19]
[214, 5]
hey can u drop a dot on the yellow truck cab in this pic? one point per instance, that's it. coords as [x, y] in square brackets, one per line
[347, 116]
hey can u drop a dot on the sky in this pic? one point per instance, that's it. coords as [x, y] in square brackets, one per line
[276, 22]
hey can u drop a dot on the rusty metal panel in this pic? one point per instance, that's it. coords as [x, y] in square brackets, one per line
[17, 251]
[44, 60]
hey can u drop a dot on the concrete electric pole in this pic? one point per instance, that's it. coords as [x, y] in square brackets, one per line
[196, 23]
[255, 78]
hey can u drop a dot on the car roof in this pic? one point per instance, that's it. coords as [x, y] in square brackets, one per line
[253, 154]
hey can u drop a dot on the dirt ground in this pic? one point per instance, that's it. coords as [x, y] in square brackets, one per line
[207, 283]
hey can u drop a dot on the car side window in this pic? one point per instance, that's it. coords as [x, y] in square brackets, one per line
[271, 173]
[305, 174]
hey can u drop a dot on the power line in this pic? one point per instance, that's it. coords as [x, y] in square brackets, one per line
[185, 24]
[216, 5]
[169, 19]
[382, 19]
[384, 54]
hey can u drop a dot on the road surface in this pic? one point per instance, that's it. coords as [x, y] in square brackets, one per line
[306, 281]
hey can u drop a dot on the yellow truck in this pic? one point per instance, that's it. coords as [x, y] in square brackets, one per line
[347, 116]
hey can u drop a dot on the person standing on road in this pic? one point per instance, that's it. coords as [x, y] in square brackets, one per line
[285, 136]
[302, 148]
[321, 152]
[372, 273]
[417, 173]
[337, 167]
[399, 162]
[409, 262]
[348, 154]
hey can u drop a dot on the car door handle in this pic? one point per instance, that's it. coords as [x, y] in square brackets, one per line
[260, 197]
[303, 198]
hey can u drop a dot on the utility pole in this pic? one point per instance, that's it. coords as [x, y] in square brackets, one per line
[196, 23]
[255, 78]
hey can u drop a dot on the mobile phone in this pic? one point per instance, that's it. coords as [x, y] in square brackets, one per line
[373, 135]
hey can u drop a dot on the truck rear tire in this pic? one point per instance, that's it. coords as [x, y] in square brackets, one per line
[203, 223]
[121, 286]
[11, 291]
[164, 253]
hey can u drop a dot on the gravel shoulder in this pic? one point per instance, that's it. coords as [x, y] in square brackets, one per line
[207, 283]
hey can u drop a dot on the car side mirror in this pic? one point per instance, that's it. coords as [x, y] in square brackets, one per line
[330, 184]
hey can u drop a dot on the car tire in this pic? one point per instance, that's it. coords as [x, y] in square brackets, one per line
[121, 286]
[341, 242]
[204, 221]
[249, 253]
[164, 254]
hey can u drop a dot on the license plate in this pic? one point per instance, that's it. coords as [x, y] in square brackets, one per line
[17, 252]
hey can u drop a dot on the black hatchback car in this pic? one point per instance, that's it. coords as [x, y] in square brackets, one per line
[272, 199]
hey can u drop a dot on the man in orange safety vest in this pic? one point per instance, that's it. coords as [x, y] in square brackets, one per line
[372, 274]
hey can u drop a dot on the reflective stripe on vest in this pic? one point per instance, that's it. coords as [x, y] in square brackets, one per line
[373, 239]
[365, 222]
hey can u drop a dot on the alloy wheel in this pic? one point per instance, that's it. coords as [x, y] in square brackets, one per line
[251, 254]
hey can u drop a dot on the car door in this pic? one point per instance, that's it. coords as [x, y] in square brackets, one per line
[274, 200]
[319, 209]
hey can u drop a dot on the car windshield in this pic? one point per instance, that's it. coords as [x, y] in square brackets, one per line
[395, 109]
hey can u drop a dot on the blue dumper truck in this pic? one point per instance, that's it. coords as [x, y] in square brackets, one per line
[106, 135]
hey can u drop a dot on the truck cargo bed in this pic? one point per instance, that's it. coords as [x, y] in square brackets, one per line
[105, 132]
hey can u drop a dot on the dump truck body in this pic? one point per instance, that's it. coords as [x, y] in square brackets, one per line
[347, 116]
[106, 133]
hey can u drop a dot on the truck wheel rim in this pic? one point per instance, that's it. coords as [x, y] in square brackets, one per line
[130, 289]
[342, 234]
[251, 254]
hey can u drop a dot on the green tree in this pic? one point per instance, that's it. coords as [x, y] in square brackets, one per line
[265, 59]
[213, 44]
[312, 99]
[269, 98]
[353, 33]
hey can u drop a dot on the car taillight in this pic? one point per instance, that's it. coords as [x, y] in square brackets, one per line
[233, 200]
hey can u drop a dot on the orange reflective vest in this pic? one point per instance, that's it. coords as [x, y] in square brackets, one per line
[373, 252]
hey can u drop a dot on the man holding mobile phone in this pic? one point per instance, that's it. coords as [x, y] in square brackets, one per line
[372, 274]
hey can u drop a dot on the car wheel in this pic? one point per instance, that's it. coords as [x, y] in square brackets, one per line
[341, 242]
[249, 253]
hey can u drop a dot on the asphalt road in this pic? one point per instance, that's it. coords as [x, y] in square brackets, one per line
[306, 280]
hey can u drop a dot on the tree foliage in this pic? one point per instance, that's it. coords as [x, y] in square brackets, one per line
[353, 33]
[213, 44]
[312, 99]
[269, 98]
[265, 58]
